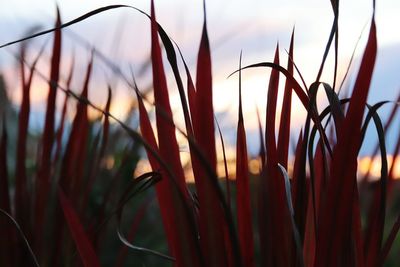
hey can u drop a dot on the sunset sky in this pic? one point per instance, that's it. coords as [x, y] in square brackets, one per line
[254, 26]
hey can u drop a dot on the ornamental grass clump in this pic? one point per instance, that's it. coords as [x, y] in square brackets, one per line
[314, 215]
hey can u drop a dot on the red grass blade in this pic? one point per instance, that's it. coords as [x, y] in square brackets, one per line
[174, 228]
[261, 136]
[270, 140]
[183, 240]
[83, 245]
[21, 198]
[300, 183]
[205, 112]
[162, 188]
[60, 130]
[244, 215]
[334, 234]
[197, 166]
[198, 171]
[275, 228]
[227, 183]
[284, 126]
[166, 132]
[95, 165]
[42, 185]
[211, 222]
[312, 211]
[106, 125]
[73, 162]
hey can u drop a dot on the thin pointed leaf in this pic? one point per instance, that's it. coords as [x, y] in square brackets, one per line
[262, 141]
[244, 215]
[98, 152]
[43, 182]
[211, 222]
[81, 239]
[70, 180]
[284, 124]
[296, 235]
[60, 130]
[228, 187]
[74, 157]
[168, 145]
[274, 224]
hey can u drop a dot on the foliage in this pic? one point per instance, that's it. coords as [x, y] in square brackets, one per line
[317, 218]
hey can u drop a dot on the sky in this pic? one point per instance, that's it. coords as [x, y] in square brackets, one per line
[251, 26]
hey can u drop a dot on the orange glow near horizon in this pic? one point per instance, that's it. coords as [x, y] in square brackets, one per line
[374, 165]
[364, 164]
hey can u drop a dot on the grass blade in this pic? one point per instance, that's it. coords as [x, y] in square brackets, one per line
[60, 130]
[274, 225]
[228, 187]
[204, 123]
[82, 242]
[173, 188]
[334, 236]
[42, 185]
[261, 137]
[168, 145]
[284, 124]
[74, 157]
[70, 180]
[98, 153]
[376, 219]
[21, 197]
[244, 215]
[211, 221]
[163, 187]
